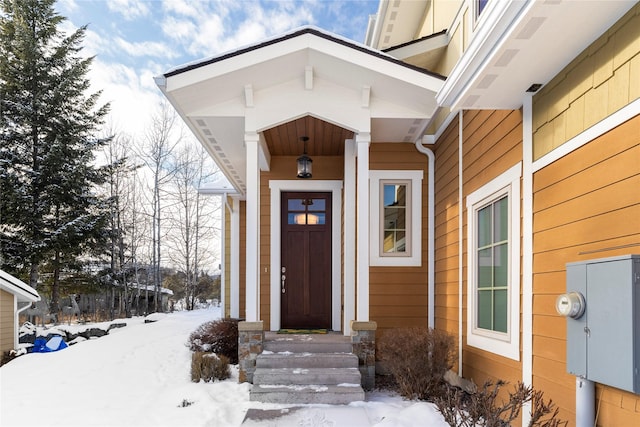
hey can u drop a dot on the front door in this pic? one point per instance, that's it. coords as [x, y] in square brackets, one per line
[306, 260]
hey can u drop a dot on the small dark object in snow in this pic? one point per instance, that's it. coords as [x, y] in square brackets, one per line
[149, 321]
[117, 325]
[185, 403]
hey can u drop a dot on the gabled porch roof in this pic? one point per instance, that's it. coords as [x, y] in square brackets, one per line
[306, 73]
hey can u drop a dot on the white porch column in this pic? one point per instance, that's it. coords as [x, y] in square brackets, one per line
[234, 262]
[363, 141]
[349, 310]
[252, 144]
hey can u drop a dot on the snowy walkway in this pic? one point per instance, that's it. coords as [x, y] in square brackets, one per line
[139, 376]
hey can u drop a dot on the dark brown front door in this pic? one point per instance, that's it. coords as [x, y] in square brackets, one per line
[306, 260]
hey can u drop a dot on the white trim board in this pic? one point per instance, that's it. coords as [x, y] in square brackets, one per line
[334, 187]
[624, 114]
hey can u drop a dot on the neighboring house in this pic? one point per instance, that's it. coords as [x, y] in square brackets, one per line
[92, 304]
[454, 203]
[15, 296]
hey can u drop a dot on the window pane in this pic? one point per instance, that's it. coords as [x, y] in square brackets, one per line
[394, 241]
[401, 244]
[485, 268]
[296, 218]
[395, 195]
[484, 309]
[501, 265]
[500, 311]
[296, 204]
[500, 220]
[484, 226]
[316, 205]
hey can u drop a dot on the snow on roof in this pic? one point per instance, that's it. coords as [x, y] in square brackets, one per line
[143, 287]
[18, 288]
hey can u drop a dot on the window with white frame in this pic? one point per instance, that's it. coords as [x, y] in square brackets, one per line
[395, 218]
[493, 274]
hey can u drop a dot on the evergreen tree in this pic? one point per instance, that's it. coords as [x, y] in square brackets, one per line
[49, 212]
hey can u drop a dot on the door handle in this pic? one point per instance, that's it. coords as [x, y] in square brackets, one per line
[283, 280]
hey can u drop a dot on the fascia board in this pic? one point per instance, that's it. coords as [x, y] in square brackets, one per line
[305, 42]
[499, 18]
[18, 288]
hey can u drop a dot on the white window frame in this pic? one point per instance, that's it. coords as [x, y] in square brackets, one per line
[413, 256]
[504, 344]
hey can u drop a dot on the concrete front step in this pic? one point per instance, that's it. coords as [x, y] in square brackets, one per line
[306, 360]
[306, 376]
[313, 368]
[324, 394]
[329, 343]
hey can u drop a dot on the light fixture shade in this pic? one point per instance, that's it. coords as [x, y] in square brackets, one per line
[304, 161]
[304, 166]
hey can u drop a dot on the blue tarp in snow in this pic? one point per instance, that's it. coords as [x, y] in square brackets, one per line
[42, 345]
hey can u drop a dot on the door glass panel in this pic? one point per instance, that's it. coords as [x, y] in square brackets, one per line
[315, 218]
[296, 204]
[316, 205]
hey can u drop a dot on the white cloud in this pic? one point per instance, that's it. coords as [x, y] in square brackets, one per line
[131, 96]
[129, 9]
[146, 48]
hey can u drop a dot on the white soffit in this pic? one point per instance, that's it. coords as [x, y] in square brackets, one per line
[518, 44]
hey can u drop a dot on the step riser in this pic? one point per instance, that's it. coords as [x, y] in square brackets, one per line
[326, 360]
[332, 397]
[307, 347]
[298, 377]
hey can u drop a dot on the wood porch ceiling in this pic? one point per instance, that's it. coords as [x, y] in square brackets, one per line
[325, 139]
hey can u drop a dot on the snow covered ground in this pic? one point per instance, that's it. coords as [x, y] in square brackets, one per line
[139, 376]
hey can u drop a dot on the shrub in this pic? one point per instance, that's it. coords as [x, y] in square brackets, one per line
[218, 336]
[209, 367]
[417, 358]
[485, 409]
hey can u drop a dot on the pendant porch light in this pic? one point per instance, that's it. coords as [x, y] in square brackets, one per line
[304, 161]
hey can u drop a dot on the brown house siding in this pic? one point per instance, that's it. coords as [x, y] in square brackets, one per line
[6, 321]
[398, 296]
[492, 143]
[586, 206]
[446, 230]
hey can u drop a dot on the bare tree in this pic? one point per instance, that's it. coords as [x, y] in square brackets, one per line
[161, 139]
[192, 218]
[120, 183]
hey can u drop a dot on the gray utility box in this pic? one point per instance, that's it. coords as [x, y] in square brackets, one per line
[603, 345]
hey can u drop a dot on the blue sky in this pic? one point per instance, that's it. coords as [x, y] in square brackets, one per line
[135, 40]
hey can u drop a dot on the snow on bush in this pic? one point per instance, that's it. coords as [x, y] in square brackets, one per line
[218, 336]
